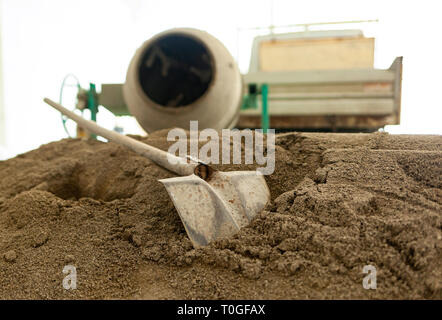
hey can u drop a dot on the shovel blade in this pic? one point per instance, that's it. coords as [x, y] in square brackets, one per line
[220, 207]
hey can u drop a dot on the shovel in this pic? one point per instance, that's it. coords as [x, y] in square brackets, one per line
[211, 204]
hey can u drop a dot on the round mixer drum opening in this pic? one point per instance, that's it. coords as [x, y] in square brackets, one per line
[176, 70]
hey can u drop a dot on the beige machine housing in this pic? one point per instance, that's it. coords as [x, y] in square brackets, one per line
[322, 80]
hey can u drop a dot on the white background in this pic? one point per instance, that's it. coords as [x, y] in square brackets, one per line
[43, 40]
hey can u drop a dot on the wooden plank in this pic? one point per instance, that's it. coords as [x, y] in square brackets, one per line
[254, 59]
[316, 54]
[327, 107]
[319, 77]
[333, 123]
[330, 95]
[323, 88]
[396, 67]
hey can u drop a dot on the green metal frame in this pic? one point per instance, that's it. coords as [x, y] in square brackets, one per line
[88, 97]
[92, 103]
[250, 101]
[264, 108]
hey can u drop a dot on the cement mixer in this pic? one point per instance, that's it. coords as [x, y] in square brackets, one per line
[176, 76]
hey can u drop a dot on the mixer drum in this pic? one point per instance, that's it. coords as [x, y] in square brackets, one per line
[181, 75]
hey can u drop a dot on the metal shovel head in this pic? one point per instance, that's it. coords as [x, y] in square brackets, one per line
[217, 208]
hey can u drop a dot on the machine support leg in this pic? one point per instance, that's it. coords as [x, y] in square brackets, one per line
[92, 104]
[264, 112]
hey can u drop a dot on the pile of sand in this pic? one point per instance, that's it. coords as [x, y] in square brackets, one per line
[339, 202]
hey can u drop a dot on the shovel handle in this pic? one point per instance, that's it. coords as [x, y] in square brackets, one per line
[160, 157]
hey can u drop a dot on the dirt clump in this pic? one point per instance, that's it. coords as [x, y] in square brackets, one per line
[339, 202]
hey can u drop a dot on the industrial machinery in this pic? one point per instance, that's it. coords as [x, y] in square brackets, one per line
[310, 80]
[320, 80]
[177, 76]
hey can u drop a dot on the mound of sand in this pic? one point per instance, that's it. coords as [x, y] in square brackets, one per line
[339, 202]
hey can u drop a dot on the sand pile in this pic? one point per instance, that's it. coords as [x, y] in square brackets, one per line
[339, 202]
